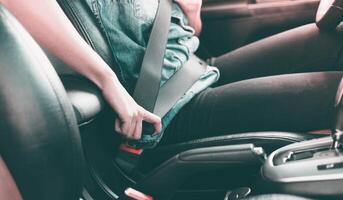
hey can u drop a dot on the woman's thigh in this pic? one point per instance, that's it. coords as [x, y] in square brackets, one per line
[294, 102]
[303, 49]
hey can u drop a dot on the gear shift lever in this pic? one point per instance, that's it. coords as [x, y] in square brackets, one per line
[337, 130]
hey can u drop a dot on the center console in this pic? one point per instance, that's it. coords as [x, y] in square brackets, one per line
[307, 168]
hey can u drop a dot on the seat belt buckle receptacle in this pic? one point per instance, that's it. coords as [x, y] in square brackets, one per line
[127, 158]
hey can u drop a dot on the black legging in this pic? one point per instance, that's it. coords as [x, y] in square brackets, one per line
[263, 99]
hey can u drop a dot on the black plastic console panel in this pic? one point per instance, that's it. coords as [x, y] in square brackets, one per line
[177, 169]
[306, 168]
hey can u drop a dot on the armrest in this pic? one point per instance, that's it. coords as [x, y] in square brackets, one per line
[85, 97]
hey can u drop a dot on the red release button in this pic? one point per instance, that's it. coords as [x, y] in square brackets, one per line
[125, 147]
[137, 195]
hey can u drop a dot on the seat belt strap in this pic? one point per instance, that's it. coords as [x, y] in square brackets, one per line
[148, 93]
[148, 83]
[179, 84]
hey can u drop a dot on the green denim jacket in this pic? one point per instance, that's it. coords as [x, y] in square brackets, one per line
[127, 25]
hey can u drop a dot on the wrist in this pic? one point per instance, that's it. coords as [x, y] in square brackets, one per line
[101, 75]
[108, 79]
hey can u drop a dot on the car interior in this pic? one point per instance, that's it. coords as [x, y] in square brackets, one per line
[57, 138]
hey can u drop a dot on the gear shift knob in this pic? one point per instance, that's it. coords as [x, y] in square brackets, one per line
[337, 130]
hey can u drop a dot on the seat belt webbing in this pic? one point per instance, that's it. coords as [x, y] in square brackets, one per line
[148, 83]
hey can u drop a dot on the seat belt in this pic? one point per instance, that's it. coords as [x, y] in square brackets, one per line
[148, 93]
[179, 84]
[148, 83]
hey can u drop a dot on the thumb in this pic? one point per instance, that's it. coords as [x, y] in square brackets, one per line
[153, 119]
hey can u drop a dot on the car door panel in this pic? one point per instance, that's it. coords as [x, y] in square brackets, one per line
[230, 24]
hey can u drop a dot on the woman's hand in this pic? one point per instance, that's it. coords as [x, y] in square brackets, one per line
[130, 114]
[192, 10]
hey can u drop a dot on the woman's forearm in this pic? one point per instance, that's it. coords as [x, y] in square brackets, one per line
[47, 23]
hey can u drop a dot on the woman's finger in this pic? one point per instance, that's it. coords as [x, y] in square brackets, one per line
[117, 124]
[138, 131]
[123, 127]
[153, 119]
[131, 131]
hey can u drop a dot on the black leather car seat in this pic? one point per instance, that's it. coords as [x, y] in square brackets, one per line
[87, 25]
[39, 137]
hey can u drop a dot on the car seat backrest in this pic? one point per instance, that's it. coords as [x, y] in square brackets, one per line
[88, 26]
[39, 138]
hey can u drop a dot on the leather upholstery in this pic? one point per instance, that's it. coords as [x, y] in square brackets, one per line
[39, 138]
[83, 20]
[85, 23]
[85, 98]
